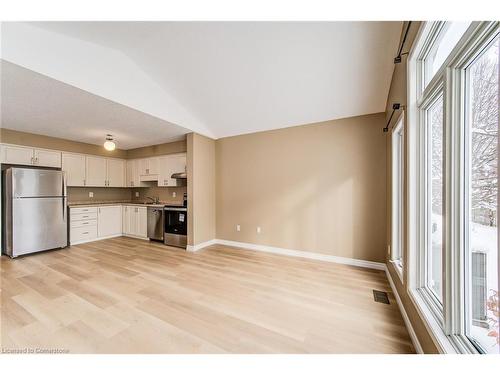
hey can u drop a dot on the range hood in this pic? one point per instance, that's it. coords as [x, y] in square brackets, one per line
[180, 175]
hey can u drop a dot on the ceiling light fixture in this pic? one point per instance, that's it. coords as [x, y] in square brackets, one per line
[109, 144]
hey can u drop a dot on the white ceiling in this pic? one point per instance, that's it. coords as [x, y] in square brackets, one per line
[226, 78]
[35, 103]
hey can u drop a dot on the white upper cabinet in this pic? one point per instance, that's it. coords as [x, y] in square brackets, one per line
[153, 165]
[148, 169]
[133, 173]
[74, 166]
[96, 171]
[115, 173]
[17, 155]
[30, 156]
[47, 158]
[130, 173]
[169, 165]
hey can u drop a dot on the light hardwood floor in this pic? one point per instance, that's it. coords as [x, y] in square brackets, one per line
[130, 296]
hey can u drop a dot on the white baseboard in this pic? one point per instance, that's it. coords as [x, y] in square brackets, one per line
[193, 248]
[293, 253]
[305, 254]
[409, 327]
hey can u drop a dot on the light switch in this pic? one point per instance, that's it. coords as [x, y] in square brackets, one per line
[238, 228]
[258, 229]
[91, 194]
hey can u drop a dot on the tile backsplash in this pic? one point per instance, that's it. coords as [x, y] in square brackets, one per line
[164, 193]
[81, 194]
[102, 194]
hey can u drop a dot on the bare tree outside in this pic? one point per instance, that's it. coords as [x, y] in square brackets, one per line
[484, 120]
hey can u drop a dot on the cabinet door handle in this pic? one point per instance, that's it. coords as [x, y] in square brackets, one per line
[85, 233]
[84, 182]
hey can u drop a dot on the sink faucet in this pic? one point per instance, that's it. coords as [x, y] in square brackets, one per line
[155, 200]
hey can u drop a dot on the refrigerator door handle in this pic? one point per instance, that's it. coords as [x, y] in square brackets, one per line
[64, 183]
[63, 195]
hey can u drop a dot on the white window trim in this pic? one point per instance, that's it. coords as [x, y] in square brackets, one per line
[446, 326]
[395, 229]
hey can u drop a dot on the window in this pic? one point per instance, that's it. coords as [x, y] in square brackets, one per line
[435, 186]
[398, 156]
[482, 198]
[453, 148]
[448, 35]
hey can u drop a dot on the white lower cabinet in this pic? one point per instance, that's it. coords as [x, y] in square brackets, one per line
[109, 221]
[94, 223]
[83, 225]
[135, 221]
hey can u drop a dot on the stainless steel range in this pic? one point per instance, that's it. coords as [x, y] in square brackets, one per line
[175, 217]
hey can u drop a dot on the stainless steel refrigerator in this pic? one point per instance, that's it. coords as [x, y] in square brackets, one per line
[34, 210]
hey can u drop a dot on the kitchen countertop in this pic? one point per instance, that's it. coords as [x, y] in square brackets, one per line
[118, 203]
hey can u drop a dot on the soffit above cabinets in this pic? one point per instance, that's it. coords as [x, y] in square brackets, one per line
[218, 78]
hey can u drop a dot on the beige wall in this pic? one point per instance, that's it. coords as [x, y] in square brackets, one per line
[397, 94]
[161, 149]
[42, 141]
[316, 188]
[201, 189]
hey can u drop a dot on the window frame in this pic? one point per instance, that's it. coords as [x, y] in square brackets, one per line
[398, 193]
[464, 64]
[446, 324]
[432, 94]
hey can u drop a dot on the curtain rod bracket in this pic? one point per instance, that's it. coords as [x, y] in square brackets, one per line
[395, 107]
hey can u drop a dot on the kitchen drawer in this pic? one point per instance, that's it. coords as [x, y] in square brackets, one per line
[87, 233]
[83, 216]
[83, 210]
[83, 223]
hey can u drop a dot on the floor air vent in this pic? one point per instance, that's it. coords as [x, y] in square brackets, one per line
[380, 296]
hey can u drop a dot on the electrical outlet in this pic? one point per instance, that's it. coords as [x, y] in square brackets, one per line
[91, 194]
[238, 228]
[174, 194]
[258, 229]
[137, 194]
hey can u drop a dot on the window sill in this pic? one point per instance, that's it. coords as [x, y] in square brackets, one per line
[444, 343]
[399, 269]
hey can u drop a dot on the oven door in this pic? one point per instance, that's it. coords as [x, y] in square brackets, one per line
[176, 222]
[175, 227]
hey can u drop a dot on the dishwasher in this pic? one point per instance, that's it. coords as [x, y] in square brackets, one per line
[156, 223]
